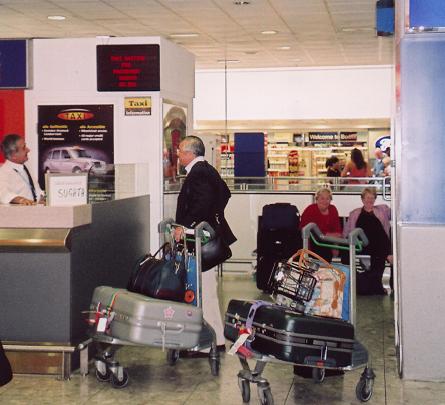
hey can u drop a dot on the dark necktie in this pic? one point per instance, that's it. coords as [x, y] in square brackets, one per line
[31, 184]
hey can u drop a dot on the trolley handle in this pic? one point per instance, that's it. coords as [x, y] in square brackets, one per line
[357, 235]
[356, 238]
[164, 224]
[204, 226]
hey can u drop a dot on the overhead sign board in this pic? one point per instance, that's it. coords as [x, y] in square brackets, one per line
[13, 64]
[128, 67]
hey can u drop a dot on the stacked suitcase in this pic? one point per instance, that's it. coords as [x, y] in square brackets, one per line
[119, 317]
[278, 238]
[266, 331]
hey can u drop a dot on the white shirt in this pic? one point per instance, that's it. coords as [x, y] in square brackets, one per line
[14, 183]
[192, 163]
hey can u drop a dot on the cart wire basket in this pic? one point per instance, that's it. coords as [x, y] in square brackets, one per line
[292, 284]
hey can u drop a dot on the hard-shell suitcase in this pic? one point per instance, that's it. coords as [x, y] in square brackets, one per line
[278, 238]
[295, 337]
[280, 216]
[143, 320]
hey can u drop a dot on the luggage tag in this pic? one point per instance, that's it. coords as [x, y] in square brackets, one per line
[104, 322]
[239, 345]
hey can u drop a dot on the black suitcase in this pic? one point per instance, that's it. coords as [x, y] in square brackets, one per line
[280, 216]
[278, 238]
[295, 337]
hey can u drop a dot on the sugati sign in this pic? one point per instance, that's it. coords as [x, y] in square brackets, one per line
[66, 189]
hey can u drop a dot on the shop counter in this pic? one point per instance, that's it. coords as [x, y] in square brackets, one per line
[51, 260]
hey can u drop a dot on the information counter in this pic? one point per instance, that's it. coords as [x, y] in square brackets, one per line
[51, 260]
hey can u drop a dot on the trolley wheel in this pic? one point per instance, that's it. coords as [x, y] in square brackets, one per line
[265, 395]
[115, 383]
[214, 367]
[103, 377]
[318, 375]
[244, 386]
[363, 390]
[172, 356]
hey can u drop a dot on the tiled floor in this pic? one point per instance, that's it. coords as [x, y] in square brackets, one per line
[153, 382]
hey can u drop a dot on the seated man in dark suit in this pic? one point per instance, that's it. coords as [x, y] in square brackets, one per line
[203, 197]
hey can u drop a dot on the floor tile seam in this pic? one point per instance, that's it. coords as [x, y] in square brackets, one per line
[90, 397]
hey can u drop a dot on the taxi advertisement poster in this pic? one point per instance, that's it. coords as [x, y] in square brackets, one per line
[75, 139]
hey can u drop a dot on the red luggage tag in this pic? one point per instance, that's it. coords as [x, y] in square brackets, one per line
[106, 316]
[238, 346]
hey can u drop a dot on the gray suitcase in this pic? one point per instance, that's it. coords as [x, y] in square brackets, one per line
[143, 320]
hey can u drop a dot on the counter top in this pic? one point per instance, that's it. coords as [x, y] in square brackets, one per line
[40, 216]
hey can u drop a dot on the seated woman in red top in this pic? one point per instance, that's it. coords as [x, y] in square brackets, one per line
[325, 215]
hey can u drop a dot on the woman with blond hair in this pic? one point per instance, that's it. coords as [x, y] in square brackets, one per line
[375, 222]
[325, 215]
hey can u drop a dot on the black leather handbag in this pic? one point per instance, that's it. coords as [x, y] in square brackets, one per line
[5, 368]
[160, 278]
[215, 251]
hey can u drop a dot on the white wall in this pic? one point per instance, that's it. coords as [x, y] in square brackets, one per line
[64, 72]
[317, 93]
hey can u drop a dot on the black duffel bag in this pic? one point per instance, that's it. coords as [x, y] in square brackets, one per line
[5, 368]
[163, 278]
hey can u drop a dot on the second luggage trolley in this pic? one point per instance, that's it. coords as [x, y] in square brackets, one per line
[267, 332]
[133, 319]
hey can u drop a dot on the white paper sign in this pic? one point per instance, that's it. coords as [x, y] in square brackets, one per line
[66, 189]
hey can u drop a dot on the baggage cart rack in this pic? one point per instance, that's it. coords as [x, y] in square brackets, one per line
[107, 369]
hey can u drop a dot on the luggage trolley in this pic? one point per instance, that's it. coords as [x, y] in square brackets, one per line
[164, 334]
[293, 286]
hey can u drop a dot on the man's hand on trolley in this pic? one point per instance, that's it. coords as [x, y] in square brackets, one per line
[178, 234]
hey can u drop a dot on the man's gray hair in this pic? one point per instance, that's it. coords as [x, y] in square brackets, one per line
[9, 144]
[194, 144]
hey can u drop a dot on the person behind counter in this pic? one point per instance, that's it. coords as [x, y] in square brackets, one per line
[333, 167]
[325, 215]
[356, 167]
[16, 184]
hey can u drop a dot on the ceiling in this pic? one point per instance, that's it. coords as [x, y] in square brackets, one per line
[308, 32]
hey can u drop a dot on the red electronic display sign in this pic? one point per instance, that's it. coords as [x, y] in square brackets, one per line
[128, 67]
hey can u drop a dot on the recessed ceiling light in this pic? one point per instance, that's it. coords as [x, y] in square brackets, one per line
[269, 32]
[184, 35]
[228, 61]
[56, 17]
[284, 48]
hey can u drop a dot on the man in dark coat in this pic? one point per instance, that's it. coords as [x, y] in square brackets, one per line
[203, 197]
